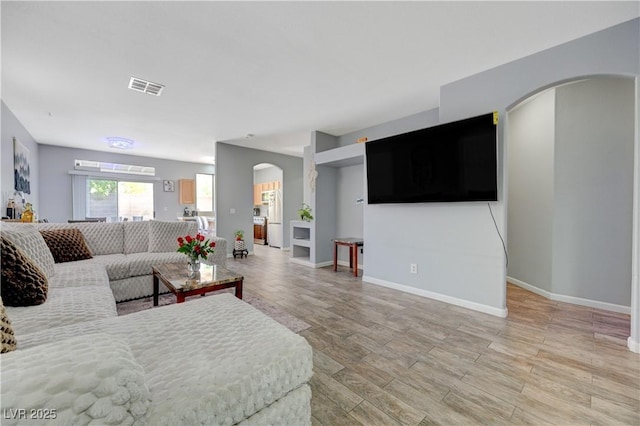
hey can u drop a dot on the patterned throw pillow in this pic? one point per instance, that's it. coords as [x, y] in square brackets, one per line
[66, 245]
[23, 282]
[27, 238]
[8, 338]
[163, 236]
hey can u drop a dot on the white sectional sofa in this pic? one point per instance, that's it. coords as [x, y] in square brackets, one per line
[211, 360]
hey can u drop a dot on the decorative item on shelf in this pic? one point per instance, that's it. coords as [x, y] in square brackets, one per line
[305, 213]
[238, 245]
[27, 214]
[195, 248]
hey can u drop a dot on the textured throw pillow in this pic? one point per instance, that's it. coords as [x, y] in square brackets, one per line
[27, 238]
[66, 245]
[8, 338]
[23, 282]
[163, 236]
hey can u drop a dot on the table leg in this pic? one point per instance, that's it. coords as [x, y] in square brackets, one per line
[156, 289]
[239, 289]
[180, 297]
[335, 256]
[350, 256]
[355, 261]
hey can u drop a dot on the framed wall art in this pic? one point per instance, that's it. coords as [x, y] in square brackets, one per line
[169, 185]
[21, 168]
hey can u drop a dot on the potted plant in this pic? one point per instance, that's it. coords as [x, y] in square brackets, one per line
[305, 213]
[239, 242]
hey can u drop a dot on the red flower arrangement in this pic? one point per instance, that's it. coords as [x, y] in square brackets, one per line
[196, 247]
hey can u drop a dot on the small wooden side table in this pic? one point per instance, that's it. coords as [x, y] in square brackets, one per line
[353, 244]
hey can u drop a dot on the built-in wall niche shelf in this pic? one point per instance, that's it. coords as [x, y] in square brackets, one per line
[302, 247]
[343, 156]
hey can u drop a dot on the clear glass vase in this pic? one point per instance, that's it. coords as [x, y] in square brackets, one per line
[193, 266]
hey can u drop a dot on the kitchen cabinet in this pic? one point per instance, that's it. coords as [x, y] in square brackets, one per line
[257, 194]
[259, 188]
[260, 230]
[187, 188]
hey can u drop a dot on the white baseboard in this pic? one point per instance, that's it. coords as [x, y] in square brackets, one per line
[633, 345]
[310, 264]
[438, 296]
[571, 299]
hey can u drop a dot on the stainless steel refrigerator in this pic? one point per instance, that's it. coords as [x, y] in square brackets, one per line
[274, 222]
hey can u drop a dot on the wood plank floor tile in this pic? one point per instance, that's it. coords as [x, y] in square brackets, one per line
[370, 415]
[386, 357]
[402, 412]
[335, 391]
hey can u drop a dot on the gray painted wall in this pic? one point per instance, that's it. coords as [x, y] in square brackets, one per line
[531, 135]
[456, 247]
[594, 190]
[350, 186]
[268, 174]
[323, 201]
[55, 186]
[234, 188]
[11, 128]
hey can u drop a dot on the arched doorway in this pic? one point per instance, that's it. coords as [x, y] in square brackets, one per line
[267, 210]
[570, 192]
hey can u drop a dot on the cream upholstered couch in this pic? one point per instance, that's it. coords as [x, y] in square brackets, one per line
[211, 360]
[128, 250]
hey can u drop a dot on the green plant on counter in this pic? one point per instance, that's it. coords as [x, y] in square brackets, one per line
[305, 213]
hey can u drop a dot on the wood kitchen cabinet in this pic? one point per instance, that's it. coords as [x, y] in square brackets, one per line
[187, 189]
[259, 188]
[260, 233]
[257, 194]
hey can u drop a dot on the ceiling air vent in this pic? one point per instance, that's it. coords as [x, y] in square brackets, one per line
[144, 86]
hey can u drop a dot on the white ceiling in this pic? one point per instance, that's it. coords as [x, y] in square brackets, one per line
[274, 69]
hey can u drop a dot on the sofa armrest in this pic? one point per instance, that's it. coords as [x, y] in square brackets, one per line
[89, 378]
[219, 256]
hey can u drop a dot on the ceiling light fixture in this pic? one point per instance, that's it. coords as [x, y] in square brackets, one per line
[120, 143]
[144, 86]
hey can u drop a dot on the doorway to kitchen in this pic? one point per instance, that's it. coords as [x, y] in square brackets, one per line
[267, 206]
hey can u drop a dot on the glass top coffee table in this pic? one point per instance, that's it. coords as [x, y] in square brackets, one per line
[177, 279]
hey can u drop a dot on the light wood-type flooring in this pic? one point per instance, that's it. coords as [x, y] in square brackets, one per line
[384, 357]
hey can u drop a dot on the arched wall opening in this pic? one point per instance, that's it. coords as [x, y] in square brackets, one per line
[570, 186]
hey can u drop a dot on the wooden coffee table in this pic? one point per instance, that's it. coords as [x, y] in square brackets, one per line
[210, 278]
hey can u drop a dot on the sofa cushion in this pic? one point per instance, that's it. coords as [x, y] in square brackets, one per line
[64, 306]
[27, 238]
[23, 283]
[136, 236]
[84, 273]
[163, 236]
[88, 379]
[66, 245]
[101, 237]
[8, 338]
[251, 360]
[141, 263]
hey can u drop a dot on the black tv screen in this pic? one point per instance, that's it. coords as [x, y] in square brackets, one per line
[450, 162]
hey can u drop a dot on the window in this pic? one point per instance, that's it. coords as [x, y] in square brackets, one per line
[204, 192]
[118, 200]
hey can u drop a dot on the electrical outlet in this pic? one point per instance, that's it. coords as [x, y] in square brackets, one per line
[413, 268]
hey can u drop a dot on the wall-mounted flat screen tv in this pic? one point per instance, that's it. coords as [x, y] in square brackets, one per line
[450, 162]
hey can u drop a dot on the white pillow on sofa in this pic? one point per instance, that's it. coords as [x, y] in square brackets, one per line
[163, 236]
